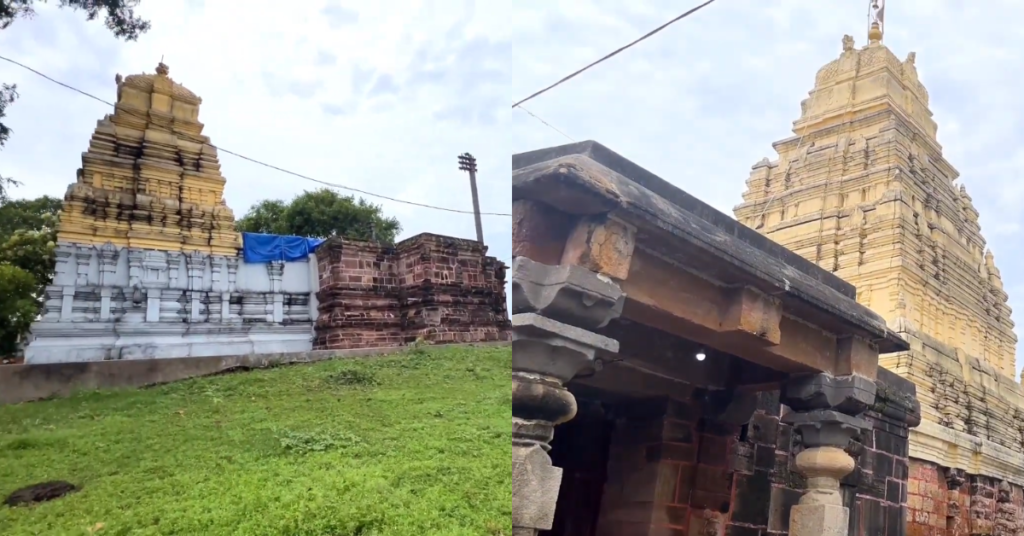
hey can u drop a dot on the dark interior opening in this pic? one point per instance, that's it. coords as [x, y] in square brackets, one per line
[580, 448]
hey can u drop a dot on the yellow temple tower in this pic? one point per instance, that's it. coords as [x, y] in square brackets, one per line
[150, 179]
[863, 190]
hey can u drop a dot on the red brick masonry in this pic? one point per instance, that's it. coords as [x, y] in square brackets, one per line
[439, 288]
[948, 502]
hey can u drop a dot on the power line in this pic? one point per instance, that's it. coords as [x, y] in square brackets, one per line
[549, 125]
[264, 164]
[645, 36]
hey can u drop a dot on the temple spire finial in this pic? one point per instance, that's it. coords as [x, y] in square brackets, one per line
[162, 68]
[876, 18]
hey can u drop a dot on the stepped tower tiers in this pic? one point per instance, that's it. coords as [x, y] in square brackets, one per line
[150, 179]
[862, 189]
[147, 258]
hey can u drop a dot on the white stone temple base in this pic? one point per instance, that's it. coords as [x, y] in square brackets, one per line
[110, 303]
[94, 341]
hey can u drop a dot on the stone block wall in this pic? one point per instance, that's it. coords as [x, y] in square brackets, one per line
[671, 470]
[431, 287]
[949, 502]
[111, 303]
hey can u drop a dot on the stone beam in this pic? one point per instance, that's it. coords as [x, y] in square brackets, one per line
[601, 244]
[686, 268]
[742, 321]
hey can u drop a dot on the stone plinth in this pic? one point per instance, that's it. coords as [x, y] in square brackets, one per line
[111, 302]
[150, 179]
[430, 287]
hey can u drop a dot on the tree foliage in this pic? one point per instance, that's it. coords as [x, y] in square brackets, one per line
[8, 94]
[118, 16]
[28, 236]
[29, 214]
[321, 214]
[18, 306]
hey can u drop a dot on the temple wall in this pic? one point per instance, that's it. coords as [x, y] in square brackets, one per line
[973, 416]
[430, 287]
[671, 470]
[944, 502]
[864, 190]
[108, 302]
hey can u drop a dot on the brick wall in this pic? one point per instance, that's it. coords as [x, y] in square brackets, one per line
[438, 288]
[948, 502]
[877, 489]
[673, 471]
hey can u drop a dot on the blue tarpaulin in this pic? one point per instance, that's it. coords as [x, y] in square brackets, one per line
[265, 248]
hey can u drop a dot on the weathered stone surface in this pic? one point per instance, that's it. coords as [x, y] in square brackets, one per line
[114, 303]
[150, 179]
[535, 484]
[863, 190]
[435, 288]
[819, 520]
[849, 394]
[602, 245]
[564, 292]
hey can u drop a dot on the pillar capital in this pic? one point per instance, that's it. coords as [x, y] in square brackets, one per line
[852, 394]
[955, 478]
[554, 308]
[565, 293]
[825, 411]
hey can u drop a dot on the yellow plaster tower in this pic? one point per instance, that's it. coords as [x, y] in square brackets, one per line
[150, 179]
[863, 190]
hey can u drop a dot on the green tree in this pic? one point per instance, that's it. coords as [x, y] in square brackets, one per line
[28, 214]
[19, 306]
[321, 214]
[28, 235]
[267, 217]
[118, 16]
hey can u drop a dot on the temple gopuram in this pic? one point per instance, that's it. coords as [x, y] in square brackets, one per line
[148, 259]
[862, 189]
[149, 265]
[150, 179]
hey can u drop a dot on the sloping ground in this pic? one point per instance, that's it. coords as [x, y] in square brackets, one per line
[413, 444]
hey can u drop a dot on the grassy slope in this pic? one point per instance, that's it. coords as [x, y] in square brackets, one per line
[414, 444]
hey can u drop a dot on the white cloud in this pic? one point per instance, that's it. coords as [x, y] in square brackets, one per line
[703, 100]
[320, 88]
[697, 104]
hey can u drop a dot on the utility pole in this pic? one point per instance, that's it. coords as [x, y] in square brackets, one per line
[468, 163]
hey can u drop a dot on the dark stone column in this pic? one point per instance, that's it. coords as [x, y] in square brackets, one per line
[955, 479]
[826, 413]
[554, 309]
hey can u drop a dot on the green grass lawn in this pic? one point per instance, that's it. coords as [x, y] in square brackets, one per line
[417, 443]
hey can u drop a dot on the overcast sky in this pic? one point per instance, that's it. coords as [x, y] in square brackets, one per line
[383, 96]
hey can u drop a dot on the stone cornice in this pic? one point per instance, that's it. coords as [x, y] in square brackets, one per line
[949, 448]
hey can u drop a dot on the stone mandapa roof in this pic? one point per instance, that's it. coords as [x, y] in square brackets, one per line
[588, 178]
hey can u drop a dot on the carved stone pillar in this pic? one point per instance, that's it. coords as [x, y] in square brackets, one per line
[955, 478]
[1006, 511]
[226, 312]
[825, 412]
[135, 301]
[275, 269]
[554, 308]
[196, 265]
[108, 254]
[83, 254]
